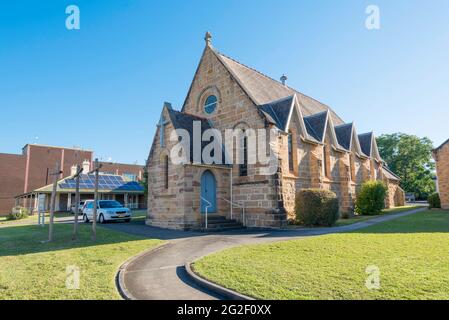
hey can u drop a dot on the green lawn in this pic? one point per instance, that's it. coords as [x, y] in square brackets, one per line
[30, 269]
[412, 254]
[360, 218]
[139, 215]
[32, 219]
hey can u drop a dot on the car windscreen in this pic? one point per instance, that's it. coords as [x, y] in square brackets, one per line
[110, 204]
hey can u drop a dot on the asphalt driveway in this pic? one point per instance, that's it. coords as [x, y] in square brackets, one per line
[161, 275]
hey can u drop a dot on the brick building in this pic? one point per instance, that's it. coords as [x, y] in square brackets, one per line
[314, 148]
[441, 156]
[125, 189]
[22, 173]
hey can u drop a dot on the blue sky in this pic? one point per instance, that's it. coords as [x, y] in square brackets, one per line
[102, 87]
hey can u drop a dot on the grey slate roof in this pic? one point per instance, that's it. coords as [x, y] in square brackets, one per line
[265, 90]
[279, 111]
[316, 125]
[182, 120]
[344, 135]
[365, 140]
[390, 174]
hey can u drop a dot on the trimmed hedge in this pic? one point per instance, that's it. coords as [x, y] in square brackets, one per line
[371, 199]
[316, 207]
[434, 201]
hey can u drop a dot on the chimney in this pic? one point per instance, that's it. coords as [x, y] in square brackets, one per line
[283, 79]
[73, 170]
[86, 166]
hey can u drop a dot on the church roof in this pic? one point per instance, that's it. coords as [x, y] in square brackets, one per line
[264, 90]
[316, 125]
[344, 135]
[390, 174]
[366, 140]
[182, 120]
[279, 111]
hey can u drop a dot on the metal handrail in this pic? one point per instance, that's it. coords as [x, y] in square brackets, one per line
[207, 207]
[238, 205]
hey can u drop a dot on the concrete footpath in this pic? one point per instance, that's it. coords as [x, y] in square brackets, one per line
[160, 274]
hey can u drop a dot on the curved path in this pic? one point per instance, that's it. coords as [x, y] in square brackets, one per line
[160, 274]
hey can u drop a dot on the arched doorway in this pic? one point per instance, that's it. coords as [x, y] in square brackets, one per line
[208, 192]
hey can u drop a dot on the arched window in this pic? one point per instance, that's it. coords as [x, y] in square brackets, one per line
[243, 168]
[166, 172]
[210, 104]
[291, 166]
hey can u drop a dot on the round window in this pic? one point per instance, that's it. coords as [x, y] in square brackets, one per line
[210, 105]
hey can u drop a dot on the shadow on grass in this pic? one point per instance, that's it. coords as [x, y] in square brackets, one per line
[27, 239]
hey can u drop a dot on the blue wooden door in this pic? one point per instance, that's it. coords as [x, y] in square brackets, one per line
[208, 192]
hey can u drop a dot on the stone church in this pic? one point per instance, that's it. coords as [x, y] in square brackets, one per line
[314, 147]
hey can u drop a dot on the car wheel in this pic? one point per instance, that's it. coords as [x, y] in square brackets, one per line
[101, 219]
[86, 219]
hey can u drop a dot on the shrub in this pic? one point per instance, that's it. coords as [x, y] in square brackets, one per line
[434, 201]
[371, 199]
[18, 213]
[316, 207]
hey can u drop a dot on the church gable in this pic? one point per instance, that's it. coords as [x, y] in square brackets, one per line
[313, 146]
[280, 111]
[216, 95]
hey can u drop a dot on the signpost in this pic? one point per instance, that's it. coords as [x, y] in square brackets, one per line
[79, 170]
[96, 170]
[55, 175]
[41, 209]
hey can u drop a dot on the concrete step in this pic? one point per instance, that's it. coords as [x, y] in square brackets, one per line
[222, 228]
[220, 223]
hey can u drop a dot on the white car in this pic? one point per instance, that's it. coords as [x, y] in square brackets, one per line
[107, 210]
[80, 208]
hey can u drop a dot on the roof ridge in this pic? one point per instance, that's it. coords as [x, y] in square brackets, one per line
[253, 69]
[276, 81]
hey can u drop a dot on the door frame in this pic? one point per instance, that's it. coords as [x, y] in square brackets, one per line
[214, 202]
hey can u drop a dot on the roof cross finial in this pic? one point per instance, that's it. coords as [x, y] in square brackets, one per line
[208, 38]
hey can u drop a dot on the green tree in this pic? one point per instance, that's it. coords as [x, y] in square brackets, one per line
[410, 157]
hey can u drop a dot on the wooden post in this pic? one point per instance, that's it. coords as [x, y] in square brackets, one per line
[79, 170]
[53, 202]
[96, 170]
